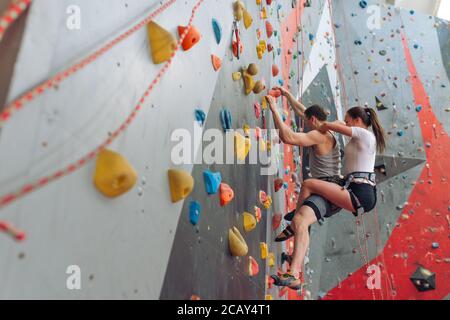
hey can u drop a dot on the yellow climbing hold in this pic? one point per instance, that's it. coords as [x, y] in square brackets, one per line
[264, 13]
[242, 146]
[249, 83]
[269, 297]
[162, 42]
[262, 145]
[249, 221]
[246, 128]
[113, 174]
[248, 20]
[271, 259]
[181, 184]
[261, 48]
[268, 202]
[236, 76]
[237, 244]
[264, 250]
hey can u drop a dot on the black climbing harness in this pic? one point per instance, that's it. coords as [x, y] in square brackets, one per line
[359, 177]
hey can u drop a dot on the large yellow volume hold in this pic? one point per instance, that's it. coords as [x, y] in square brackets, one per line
[181, 184]
[114, 175]
[249, 221]
[237, 244]
[162, 43]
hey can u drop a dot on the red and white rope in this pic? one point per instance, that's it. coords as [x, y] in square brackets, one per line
[14, 11]
[33, 186]
[29, 96]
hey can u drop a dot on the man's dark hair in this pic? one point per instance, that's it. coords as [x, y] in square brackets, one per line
[316, 111]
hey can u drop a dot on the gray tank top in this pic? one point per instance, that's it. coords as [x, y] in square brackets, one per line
[327, 165]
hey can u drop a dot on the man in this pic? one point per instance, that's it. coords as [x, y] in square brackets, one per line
[324, 163]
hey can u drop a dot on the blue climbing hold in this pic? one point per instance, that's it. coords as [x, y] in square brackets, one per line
[400, 133]
[358, 42]
[194, 212]
[217, 30]
[363, 4]
[416, 46]
[279, 51]
[200, 116]
[285, 185]
[419, 108]
[435, 245]
[226, 119]
[212, 181]
[281, 82]
[311, 37]
[411, 12]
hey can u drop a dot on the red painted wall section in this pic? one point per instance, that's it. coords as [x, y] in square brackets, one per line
[429, 222]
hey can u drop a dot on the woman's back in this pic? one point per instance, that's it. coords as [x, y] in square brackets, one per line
[360, 151]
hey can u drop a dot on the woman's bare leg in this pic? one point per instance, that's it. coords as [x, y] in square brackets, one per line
[330, 191]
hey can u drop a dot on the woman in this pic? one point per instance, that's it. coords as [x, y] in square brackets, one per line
[359, 193]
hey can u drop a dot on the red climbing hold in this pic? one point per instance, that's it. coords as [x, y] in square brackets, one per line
[275, 93]
[226, 194]
[276, 221]
[275, 70]
[235, 51]
[269, 29]
[253, 267]
[192, 38]
[257, 107]
[278, 184]
[216, 62]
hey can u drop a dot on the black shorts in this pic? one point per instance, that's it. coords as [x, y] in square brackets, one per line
[321, 206]
[366, 195]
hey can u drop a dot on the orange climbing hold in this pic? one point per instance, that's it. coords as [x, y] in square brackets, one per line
[226, 194]
[216, 62]
[235, 50]
[113, 175]
[181, 184]
[275, 70]
[253, 267]
[249, 221]
[269, 29]
[275, 93]
[162, 43]
[192, 38]
[238, 246]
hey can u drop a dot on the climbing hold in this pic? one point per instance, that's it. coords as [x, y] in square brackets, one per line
[216, 62]
[235, 48]
[248, 20]
[419, 108]
[276, 221]
[253, 268]
[242, 146]
[12, 231]
[262, 196]
[358, 42]
[238, 10]
[400, 133]
[275, 70]
[238, 246]
[181, 184]
[269, 29]
[259, 87]
[192, 38]
[195, 297]
[257, 108]
[269, 2]
[380, 106]
[162, 43]
[268, 202]
[226, 194]
[249, 221]
[382, 52]
[217, 30]
[435, 245]
[264, 250]
[249, 83]
[275, 93]
[257, 214]
[252, 69]
[269, 47]
[363, 4]
[268, 297]
[194, 212]
[113, 175]
[226, 119]
[236, 76]
[424, 279]
[278, 184]
[271, 259]
[200, 116]
[212, 181]
[264, 13]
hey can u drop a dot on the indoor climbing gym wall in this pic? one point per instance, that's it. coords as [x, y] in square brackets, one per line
[109, 107]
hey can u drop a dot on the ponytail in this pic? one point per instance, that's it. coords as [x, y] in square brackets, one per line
[370, 119]
[377, 129]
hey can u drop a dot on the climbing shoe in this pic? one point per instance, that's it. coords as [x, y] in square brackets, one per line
[286, 234]
[287, 280]
[289, 216]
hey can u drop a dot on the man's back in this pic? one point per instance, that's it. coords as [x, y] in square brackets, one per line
[325, 159]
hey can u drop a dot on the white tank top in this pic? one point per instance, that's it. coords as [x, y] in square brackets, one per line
[360, 151]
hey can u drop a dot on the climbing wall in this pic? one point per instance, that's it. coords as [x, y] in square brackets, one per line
[102, 89]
